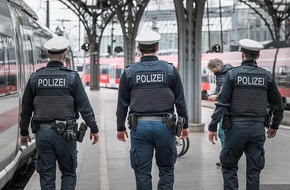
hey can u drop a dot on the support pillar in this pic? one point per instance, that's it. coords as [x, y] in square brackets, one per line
[189, 21]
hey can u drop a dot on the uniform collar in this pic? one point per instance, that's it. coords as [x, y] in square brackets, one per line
[149, 58]
[54, 64]
[249, 63]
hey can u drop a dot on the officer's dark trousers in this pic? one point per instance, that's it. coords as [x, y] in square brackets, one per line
[248, 137]
[52, 147]
[149, 136]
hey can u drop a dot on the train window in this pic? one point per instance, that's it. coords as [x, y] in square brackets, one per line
[11, 74]
[1, 57]
[204, 78]
[212, 78]
[205, 71]
[282, 71]
[282, 76]
[30, 54]
[87, 69]
[41, 57]
[104, 69]
[2, 74]
[79, 68]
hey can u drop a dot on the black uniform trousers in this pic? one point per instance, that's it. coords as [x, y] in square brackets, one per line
[243, 137]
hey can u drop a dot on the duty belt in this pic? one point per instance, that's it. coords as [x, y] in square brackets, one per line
[152, 118]
[46, 125]
[47, 122]
[247, 118]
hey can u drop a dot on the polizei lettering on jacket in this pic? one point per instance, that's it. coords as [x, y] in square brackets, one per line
[251, 80]
[149, 78]
[52, 82]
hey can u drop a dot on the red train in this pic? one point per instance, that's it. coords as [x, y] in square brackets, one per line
[112, 68]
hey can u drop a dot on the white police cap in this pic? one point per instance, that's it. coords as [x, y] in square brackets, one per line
[148, 37]
[57, 45]
[250, 46]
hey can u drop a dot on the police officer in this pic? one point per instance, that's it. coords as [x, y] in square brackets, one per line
[151, 88]
[244, 98]
[219, 69]
[55, 95]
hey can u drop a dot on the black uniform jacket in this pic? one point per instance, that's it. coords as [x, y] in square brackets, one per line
[125, 87]
[81, 102]
[224, 102]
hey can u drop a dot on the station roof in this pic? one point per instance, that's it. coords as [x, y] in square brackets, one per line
[170, 26]
[215, 24]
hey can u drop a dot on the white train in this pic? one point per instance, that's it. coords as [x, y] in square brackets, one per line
[21, 53]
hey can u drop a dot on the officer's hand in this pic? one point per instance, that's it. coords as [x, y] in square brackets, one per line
[271, 133]
[95, 137]
[25, 140]
[184, 133]
[212, 98]
[121, 135]
[212, 137]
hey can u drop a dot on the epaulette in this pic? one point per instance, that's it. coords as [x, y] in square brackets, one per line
[39, 69]
[231, 75]
[66, 69]
[170, 63]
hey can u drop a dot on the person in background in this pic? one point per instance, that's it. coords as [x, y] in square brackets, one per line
[55, 95]
[219, 69]
[151, 88]
[243, 103]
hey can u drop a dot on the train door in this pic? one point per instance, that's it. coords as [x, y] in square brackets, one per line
[104, 75]
[119, 71]
[112, 76]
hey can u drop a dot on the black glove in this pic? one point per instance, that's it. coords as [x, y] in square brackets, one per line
[70, 134]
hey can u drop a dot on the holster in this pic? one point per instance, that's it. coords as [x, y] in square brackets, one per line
[226, 121]
[179, 126]
[81, 132]
[34, 125]
[132, 121]
[60, 126]
[171, 122]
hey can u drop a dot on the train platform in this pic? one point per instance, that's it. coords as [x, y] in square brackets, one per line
[106, 165]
